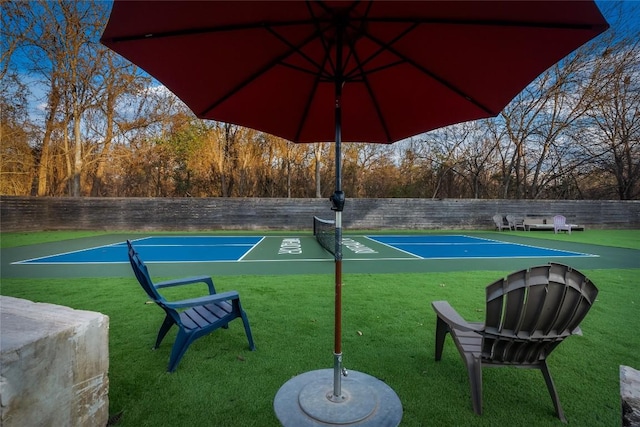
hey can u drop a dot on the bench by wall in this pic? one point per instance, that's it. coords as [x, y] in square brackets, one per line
[157, 214]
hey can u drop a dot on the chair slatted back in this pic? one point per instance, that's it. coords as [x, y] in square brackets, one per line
[142, 274]
[559, 220]
[530, 312]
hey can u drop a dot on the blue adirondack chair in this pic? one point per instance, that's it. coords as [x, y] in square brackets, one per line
[196, 317]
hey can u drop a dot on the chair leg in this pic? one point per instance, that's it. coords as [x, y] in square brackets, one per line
[552, 391]
[180, 346]
[474, 368]
[441, 332]
[247, 330]
[166, 325]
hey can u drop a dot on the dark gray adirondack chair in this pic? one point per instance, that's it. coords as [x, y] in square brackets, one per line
[528, 314]
[195, 317]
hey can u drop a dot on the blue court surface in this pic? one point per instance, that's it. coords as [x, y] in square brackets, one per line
[446, 247]
[198, 249]
[160, 249]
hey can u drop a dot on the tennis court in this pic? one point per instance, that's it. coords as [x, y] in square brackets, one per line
[191, 249]
[233, 254]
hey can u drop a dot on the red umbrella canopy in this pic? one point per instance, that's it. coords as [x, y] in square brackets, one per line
[403, 67]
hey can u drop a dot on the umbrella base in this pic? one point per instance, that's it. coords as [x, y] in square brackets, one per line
[307, 400]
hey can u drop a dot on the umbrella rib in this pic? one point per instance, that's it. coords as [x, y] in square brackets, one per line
[307, 106]
[441, 80]
[331, 11]
[387, 46]
[204, 30]
[352, 49]
[365, 17]
[252, 77]
[305, 70]
[376, 69]
[327, 58]
[489, 23]
[298, 50]
[382, 48]
[331, 22]
[367, 85]
[316, 22]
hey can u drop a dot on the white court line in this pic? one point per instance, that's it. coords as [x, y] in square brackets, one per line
[252, 248]
[31, 260]
[394, 248]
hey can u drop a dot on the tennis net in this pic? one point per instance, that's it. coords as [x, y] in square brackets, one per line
[325, 232]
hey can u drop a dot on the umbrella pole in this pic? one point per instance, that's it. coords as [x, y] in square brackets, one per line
[306, 400]
[338, 205]
[337, 352]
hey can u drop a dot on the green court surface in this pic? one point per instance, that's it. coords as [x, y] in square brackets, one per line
[301, 254]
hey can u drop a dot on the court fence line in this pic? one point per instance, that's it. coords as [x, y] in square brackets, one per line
[199, 214]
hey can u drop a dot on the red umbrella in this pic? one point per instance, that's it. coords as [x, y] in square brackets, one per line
[346, 70]
[407, 67]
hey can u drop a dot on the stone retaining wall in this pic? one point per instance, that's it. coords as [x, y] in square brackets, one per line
[630, 396]
[54, 363]
[151, 214]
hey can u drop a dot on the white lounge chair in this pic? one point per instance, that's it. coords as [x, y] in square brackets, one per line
[515, 223]
[560, 224]
[500, 225]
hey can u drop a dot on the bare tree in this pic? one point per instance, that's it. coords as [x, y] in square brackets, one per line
[362, 167]
[13, 30]
[16, 133]
[108, 129]
[613, 142]
[441, 152]
[317, 157]
[532, 128]
[116, 79]
[479, 160]
[60, 46]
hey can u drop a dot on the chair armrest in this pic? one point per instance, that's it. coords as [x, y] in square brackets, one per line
[451, 317]
[208, 299]
[186, 281]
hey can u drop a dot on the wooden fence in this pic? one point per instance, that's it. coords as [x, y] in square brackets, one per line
[156, 214]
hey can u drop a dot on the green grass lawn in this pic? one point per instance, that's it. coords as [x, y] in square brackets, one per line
[388, 332]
